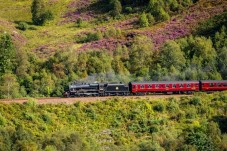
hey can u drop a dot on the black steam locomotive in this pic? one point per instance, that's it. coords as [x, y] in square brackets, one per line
[97, 89]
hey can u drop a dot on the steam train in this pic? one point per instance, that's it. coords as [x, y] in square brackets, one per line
[142, 88]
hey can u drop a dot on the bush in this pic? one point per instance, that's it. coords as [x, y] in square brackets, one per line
[150, 146]
[23, 26]
[143, 21]
[150, 19]
[159, 107]
[2, 120]
[200, 140]
[163, 15]
[116, 7]
[172, 107]
[46, 118]
[83, 38]
[80, 23]
[195, 101]
[48, 15]
[128, 9]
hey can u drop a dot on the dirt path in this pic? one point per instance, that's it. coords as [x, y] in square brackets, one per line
[85, 99]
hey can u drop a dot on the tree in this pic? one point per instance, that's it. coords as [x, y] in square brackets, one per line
[115, 7]
[143, 21]
[171, 55]
[222, 62]
[140, 56]
[37, 10]
[220, 39]
[7, 54]
[9, 87]
[151, 19]
[39, 14]
[163, 15]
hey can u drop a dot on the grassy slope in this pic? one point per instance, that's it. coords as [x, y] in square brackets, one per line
[60, 35]
[123, 121]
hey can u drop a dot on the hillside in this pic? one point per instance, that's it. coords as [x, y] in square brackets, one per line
[60, 33]
[133, 41]
[187, 123]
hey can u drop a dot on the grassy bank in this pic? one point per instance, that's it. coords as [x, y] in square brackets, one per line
[195, 123]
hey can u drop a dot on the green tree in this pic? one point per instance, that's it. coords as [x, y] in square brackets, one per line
[171, 55]
[152, 6]
[151, 19]
[163, 15]
[9, 87]
[37, 9]
[222, 62]
[143, 21]
[200, 140]
[220, 39]
[140, 56]
[7, 54]
[116, 7]
[39, 13]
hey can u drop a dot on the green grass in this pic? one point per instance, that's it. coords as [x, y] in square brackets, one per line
[51, 34]
[15, 10]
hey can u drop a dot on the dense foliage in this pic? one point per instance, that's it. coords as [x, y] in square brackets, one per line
[186, 123]
[190, 58]
[161, 9]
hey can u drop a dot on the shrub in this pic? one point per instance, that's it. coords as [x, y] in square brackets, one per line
[163, 15]
[46, 118]
[112, 32]
[159, 107]
[150, 19]
[48, 15]
[23, 26]
[128, 9]
[2, 120]
[153, 129]
[172, 107]
[195, 101]
[32, 103]
[83, 38]
[50, 148]
[80, 23]
[28, 116]
[143, 21]
[39, 15]
[150, 146]
[116, 7]
[200, 140]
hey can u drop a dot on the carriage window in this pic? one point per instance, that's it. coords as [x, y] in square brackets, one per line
[142, 86]
[167, 85]
[181, 85]
[149, 86]
[188, 85]
[156, 86]
[219, 84]
[211, 84]
[174, 85]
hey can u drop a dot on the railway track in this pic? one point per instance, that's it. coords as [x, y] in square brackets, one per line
[56, 100]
